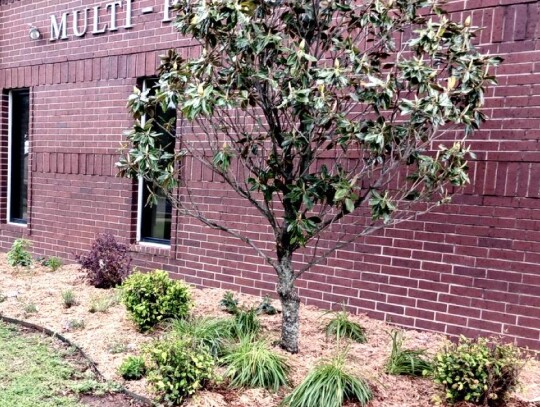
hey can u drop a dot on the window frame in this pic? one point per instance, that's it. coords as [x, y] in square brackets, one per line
[23, 223]
[147, 241]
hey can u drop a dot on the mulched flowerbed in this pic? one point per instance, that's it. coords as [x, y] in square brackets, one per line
[107, 338]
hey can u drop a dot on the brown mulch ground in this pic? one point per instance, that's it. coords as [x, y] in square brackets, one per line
[109, 337]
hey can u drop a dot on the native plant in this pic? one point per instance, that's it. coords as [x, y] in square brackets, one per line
[54, 263]
[330, 385]
[132, 368]
[68, 298]
[314, 112]
[229, 303]
[19, 254]
[246, 323]
[210, 333]
[480, 371]
[252, 363]
[153, 297]
[107, 263]
[411, 362]
[340, 326]
[266, 307]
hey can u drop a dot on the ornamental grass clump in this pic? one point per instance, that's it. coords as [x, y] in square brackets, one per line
[330, 385]
[481, 371]
[246, 323]
[210, 333]
[410, 362]
[108, 262]
[151, 298]
[340, 327]
[252, 363]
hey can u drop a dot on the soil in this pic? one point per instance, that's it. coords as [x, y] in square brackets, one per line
[107, 338]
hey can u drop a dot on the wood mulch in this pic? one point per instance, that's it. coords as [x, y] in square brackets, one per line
[107, 338]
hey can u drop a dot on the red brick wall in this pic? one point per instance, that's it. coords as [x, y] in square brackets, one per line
[472, 267]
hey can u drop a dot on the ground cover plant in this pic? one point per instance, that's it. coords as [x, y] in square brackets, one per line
[411, 362]
[151, 298]
[280, 86]
[107, 263]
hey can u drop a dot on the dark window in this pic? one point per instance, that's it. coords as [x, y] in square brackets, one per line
[19, 145]
[155, 225]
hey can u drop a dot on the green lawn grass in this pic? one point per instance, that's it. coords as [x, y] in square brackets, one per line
[35, 373]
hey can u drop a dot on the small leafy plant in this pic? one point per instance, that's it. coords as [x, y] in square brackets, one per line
[229, 303]
[68, 298]
[54, 263]
[340, 326]
[254, 364]
[108, 262]
[19, 254]
[177, 370]
[151, 298]
[329, 385]
[266, 307]
[481, 371]
[209, 333]
[409, 362]
[246, 323]
[132, 368]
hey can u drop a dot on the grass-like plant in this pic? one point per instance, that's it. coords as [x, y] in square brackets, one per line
[329, 385]
[101, 303]
[30, 308]
[252, 363]
[68, 298]
[409, 362]
[211, 333]
[54, 263]
[340, 326]
[246, 323]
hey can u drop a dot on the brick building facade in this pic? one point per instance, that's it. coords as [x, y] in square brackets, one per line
[471, 267]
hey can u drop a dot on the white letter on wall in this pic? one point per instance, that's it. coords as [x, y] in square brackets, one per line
[128, 15]
[167, 9]
[59, 31]
[96, 29]
[76, 22]
[113, 7]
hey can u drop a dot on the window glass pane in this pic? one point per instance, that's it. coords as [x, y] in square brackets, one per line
[156, 218]
[19, 156]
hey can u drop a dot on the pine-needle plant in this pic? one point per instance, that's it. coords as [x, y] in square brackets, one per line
[246, 323]
[228, 303]
[340, 327]
[253, 364]
[266, 307]
[19, 255]
[211, 333]
[68, 298]
[410, 362]
[330, 385]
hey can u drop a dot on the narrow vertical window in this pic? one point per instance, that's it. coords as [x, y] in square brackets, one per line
[19, 120]
[154, 220]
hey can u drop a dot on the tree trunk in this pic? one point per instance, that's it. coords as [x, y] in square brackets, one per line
[290, 304]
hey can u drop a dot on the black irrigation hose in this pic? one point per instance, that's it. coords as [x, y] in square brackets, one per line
[145, 400]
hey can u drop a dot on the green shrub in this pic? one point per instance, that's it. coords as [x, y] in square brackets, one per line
[228, 303]
[340, 326]
[406, 361]
[211, 333]
[329, 385]
[177, 369]
[481, 371]
[19, 255]
[132, 368]
[254, 364]
[68, 297]
[153, 297]
[246, 323]
[54, 263]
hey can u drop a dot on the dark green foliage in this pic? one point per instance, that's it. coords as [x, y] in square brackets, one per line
[153, 297]
[19, 255]
[480, 371]
[132, 368]
[409, 362]
[107, 263]
[340, 326]
[329, 385]
[229, 303]
[252, 363]
[266, 307]
[177, 370]
[246, 323]
[209, 333]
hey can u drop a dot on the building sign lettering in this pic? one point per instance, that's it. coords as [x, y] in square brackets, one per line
[100, 19]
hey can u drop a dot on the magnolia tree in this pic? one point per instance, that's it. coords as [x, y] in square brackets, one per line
[314, 111]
